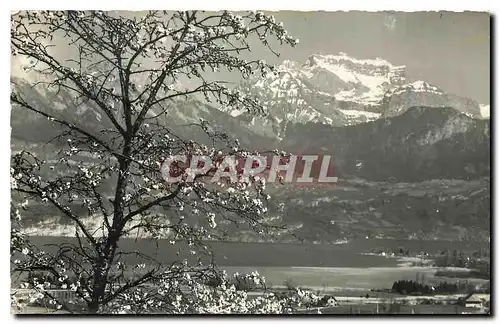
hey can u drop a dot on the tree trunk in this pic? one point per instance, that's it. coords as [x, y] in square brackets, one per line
[93, 307]
[106, 252]
[99, 285]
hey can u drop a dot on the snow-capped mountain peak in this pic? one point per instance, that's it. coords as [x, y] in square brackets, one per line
[366, 80]
[288, 64]
[416, 86]
[343, 59]
[338, 76]
[485, 110]
[341, 90]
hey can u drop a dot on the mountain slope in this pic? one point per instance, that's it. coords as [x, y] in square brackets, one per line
[423, 143]
[412, 160]
[340, 90]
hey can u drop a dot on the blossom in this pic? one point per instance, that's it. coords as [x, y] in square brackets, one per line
[88, 163]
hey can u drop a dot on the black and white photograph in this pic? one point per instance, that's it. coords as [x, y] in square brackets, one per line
[197, 162]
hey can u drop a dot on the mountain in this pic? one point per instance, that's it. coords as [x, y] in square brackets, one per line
[485, 110]
[422, 143]
[429, 210]
[412, 160]
[29, 126]
[399, 99]
[181, 114]
[340, 90]
[355, 208]
[336, 90]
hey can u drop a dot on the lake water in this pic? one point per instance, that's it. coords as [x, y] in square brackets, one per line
[281, 254]
[321, 267]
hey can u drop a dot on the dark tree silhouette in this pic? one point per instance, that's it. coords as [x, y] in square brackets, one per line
[129, 69]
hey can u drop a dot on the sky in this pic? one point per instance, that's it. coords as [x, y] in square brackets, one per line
[448, 49]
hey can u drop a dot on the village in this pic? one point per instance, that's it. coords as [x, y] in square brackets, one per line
[379, 302]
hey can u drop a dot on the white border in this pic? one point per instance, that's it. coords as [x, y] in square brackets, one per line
[311, 5]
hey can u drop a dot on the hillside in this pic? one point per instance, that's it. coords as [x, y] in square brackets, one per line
[412, 160]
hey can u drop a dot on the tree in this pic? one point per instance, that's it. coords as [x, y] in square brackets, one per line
[130, 70]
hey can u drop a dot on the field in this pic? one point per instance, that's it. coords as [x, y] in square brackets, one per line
[334, 279]
[350, 281]
[345, 271]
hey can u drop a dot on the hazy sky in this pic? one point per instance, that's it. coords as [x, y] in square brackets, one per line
[451, 50]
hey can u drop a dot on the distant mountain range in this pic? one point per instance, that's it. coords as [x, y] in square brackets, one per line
[422, 143]
[403, 141]
[339, 90]
[335, 90]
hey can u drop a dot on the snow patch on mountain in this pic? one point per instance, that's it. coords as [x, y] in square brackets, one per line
[53, 227]
[340, 90]
[485, 110]
[366, 80]
[354, 116]
[417, 86]
[330, 89]
[237, 112]
[459, 124]
[20, 68]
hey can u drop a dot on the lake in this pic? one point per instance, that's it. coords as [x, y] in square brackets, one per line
[316, 266]
[282, 254]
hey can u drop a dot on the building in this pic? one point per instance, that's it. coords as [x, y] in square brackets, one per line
[471, 300]
[328, 301]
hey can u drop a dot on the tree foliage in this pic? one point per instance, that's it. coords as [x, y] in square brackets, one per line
[408, 287]
[130, 69]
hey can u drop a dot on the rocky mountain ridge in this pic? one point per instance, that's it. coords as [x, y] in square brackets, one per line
[395, 145]
[340, 90]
